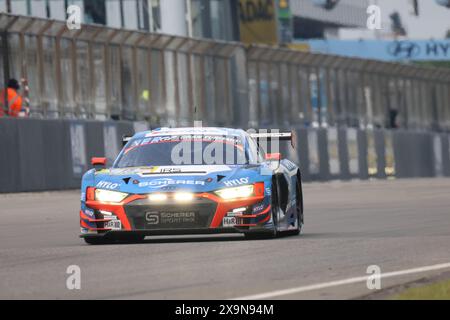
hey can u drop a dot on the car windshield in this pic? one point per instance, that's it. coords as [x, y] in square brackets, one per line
[182, 150]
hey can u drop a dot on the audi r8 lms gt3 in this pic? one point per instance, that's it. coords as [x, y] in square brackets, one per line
[192, 180]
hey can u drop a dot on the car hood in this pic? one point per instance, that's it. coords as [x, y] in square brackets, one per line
[176, 178]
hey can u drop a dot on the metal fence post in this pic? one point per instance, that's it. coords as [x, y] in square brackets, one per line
[5, 58]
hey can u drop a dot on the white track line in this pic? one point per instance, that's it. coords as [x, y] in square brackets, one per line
[277, 293]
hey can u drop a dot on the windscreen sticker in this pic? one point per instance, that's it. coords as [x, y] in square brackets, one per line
[236, 142]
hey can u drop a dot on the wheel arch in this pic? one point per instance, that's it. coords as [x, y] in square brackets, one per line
[280, 181]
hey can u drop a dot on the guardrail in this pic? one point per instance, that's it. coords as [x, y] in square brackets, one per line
[39, 154]
[102, 73]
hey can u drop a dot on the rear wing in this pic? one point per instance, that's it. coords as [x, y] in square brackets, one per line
[281, 136]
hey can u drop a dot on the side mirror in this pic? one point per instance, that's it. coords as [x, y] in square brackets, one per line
[98, 161]
[125, 140]
[273, 156]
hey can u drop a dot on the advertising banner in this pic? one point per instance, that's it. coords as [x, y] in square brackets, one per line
[387, 50]
[258, 21]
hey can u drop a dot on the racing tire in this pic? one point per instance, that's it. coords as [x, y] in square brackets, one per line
[299, 206]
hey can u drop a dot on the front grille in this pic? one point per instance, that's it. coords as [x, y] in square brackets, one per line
[168, 215]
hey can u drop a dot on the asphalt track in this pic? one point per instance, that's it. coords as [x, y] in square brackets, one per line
[397, 225]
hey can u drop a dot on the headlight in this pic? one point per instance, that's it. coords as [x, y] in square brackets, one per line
[109, 196]
[237, 192]
[157, 197]
[183, 196]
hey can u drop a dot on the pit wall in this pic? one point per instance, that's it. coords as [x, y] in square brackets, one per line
[41, 155]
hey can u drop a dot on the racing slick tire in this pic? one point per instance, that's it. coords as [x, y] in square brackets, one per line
[299, 205]
[267, 234]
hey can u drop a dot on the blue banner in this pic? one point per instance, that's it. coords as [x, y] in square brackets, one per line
[402, 50]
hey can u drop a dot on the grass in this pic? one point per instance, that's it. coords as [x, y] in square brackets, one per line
[435, 291]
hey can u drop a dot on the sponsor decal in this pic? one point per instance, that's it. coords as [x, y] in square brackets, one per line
[170, 170]
[268, 191]
[236, 182]
[107, 185]
[225, 139]
[193, 137]
[229, 221]
[176, 217]
[152, 217]
[89, 212]
[289, 165]
[258, 208]
[166, 182]
[233, 214]
[113, 225]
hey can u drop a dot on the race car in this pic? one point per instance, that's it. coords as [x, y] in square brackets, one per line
[172, 181]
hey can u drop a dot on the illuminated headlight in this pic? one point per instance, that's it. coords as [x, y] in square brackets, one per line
[183, 196]
[109, 196]
[157, 197]
[237, 192]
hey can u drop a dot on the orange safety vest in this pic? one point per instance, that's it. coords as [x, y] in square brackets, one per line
[14, 103]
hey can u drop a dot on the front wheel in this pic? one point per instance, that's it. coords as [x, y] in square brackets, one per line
[299, 206]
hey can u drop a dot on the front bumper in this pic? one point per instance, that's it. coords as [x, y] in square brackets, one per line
[203, 215]
[172, 232]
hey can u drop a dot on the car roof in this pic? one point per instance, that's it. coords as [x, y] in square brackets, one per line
[192, 131]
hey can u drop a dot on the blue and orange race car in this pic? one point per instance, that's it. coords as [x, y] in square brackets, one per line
[192, 181]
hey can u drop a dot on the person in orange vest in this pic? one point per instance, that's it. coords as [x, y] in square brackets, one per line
[14, 99]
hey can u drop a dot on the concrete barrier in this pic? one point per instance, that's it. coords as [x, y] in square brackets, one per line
[303, 153]
[31, 145]
[37, 155]
[334, 158]
[445, 154]
[56, 162]
[9, 156]
[344, 157]
[414, 154]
